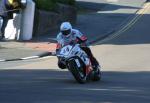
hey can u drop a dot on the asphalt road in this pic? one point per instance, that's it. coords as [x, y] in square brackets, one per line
[106, 17]
[52, 86]
[125, 79]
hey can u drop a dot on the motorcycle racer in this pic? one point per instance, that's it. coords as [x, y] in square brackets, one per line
[68, 35]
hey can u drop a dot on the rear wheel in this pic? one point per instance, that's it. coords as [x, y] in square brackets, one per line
[77, 72]
[97, 74]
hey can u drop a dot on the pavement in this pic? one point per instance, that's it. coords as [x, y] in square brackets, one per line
[105, 18]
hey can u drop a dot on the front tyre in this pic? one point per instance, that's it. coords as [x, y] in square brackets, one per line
[77, 72]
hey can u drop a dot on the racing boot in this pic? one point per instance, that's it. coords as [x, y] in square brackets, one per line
[61, 64]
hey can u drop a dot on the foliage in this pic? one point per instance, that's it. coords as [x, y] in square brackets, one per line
[69, 2]
[45, 4]
[50, 5]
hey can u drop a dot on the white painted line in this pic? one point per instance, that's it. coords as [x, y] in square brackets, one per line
[112, 1]
[2, 60]
[32, 57]
[53, 39]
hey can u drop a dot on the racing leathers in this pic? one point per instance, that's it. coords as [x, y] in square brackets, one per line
[75, 37]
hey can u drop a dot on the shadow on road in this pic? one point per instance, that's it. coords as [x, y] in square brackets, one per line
[128, 33]
[95, 7]
[45, 86]
[98, 23]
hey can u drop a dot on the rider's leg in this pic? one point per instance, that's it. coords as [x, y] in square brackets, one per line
[92, 58]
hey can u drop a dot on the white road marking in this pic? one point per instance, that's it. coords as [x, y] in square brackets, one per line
[112, 1]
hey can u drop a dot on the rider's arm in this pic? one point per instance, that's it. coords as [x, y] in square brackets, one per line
[80, 38]
[59, 44]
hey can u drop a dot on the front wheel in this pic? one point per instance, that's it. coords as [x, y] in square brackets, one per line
[77, 72]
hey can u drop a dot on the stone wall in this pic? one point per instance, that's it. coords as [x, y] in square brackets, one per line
[48, 22]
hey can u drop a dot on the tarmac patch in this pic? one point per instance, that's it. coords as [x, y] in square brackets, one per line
[42, 46]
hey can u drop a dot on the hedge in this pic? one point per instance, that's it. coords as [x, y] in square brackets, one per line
[50, 5]
[69, 2]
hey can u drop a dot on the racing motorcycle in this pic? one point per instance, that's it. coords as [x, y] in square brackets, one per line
[78, 63]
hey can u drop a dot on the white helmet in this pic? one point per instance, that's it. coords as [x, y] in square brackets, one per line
[66, 29]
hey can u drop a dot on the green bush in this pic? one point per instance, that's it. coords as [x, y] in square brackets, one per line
[68, 2]
[50, 5]
[45, 4]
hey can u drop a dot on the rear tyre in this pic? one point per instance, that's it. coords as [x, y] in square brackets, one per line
[97, 74]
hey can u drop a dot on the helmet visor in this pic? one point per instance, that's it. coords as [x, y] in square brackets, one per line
[66, 32]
